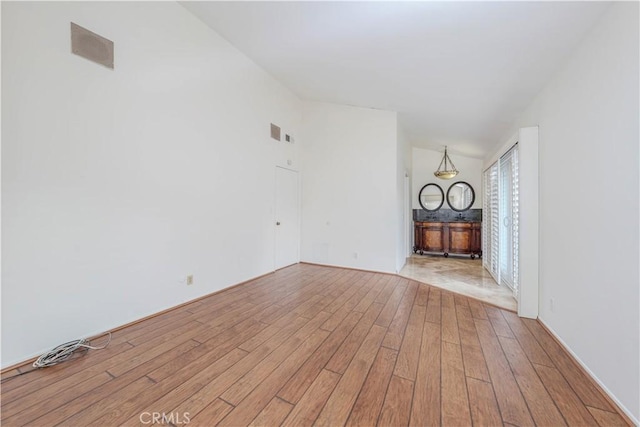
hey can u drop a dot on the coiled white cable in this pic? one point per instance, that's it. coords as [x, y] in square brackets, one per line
[65, 351]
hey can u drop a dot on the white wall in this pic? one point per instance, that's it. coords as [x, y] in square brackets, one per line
[588, 118]
[403, 168]
[349, 201]
[116, 184]
[426, 161]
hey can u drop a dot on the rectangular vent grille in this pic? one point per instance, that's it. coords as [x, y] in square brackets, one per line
[275, 132]
[91, 46]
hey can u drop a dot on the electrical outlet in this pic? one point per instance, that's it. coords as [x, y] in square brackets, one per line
[190, 279]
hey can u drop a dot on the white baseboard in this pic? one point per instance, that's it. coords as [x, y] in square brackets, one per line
[591, 374]
[347, 267]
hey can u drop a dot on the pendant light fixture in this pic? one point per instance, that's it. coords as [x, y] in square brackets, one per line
[449, 170]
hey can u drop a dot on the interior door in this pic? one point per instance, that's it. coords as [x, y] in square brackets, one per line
[287, 222]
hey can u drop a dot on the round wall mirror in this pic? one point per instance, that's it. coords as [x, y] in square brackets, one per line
[431, 197]
[460, 196]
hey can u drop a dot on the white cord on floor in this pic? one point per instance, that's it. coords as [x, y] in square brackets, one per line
[64, 352]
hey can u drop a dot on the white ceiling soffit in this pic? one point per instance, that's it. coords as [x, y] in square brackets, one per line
[458, 73]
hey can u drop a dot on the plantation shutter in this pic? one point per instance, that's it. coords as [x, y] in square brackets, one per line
[490, 221]
[509, 215]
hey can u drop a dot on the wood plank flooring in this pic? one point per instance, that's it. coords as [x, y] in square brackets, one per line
[313, 345]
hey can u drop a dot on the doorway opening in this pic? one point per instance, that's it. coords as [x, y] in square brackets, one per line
[510, 258]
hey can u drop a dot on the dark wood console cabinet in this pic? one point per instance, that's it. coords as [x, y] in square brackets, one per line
[448, 237]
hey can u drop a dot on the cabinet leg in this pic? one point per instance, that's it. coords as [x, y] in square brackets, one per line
[415, 249]
[421, 252]
[473, 256]
[446, 255]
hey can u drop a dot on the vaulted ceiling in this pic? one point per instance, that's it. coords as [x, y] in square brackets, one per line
[457, 73]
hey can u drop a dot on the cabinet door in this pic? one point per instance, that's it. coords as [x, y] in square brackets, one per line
[459, 239]
[476, 239]
[432, 239]
[417, 236]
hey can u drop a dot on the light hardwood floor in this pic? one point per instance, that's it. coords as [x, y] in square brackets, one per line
[313, 345]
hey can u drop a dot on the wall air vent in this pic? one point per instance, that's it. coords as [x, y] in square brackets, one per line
[91, 46]
[275, 132]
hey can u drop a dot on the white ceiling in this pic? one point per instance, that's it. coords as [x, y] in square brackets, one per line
[458, 73]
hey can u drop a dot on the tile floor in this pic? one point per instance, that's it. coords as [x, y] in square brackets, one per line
[459, 274]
